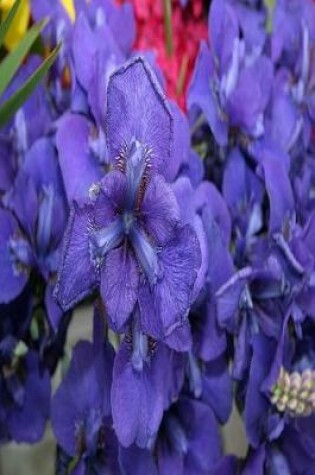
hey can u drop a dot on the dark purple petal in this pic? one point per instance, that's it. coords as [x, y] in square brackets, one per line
[110, 199]
[256, 403]
[228, 465]
[159, 211]
[217, 388]
[204, 445]
[169, 460]
[205, 328]
[83, 395]
[135, 95]
[27, 424]
[23, 201]
[136, 461]
[54, 312]
[164, 306]
[12, 280]
[255, 462]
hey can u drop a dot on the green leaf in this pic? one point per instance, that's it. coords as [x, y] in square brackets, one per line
[12, 61]
[5, 25]
[9, 108]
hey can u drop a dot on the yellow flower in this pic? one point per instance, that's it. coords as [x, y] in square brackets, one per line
[69, 7]
[19, 24]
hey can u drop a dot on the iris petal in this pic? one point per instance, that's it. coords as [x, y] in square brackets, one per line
[145, 253]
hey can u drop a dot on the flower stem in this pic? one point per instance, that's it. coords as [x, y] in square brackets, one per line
[168, 26]
[182, 76]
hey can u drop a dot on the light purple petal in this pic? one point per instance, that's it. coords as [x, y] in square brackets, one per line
[77, 276]
[181, 143]
[223, 30]
[119, 285]
[202, 95]
[137, 399]
[78, 166]
[135, 95]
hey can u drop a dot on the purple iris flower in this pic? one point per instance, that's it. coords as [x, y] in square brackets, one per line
[206, 365]
[33, 228]
[119, 18]
[278, 409]
[188, 440]
[128, 237]
[231, 85]
[287, 455]
[24, 382]
[29, 123]
[81, 407]
[62, 85]
[147, 376]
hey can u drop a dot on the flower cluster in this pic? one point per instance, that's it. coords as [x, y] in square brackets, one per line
[192, 237]
[254, 88]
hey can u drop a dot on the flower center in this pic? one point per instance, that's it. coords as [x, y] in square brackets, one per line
[295, 393]
[133, 161]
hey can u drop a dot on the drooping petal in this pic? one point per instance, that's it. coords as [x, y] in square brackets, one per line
[159, 211]
[137, 398]
[119, 285]
[164, 306]
[135, 95]
[77, 275]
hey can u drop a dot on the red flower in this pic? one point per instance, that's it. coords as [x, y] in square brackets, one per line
[188, 29]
